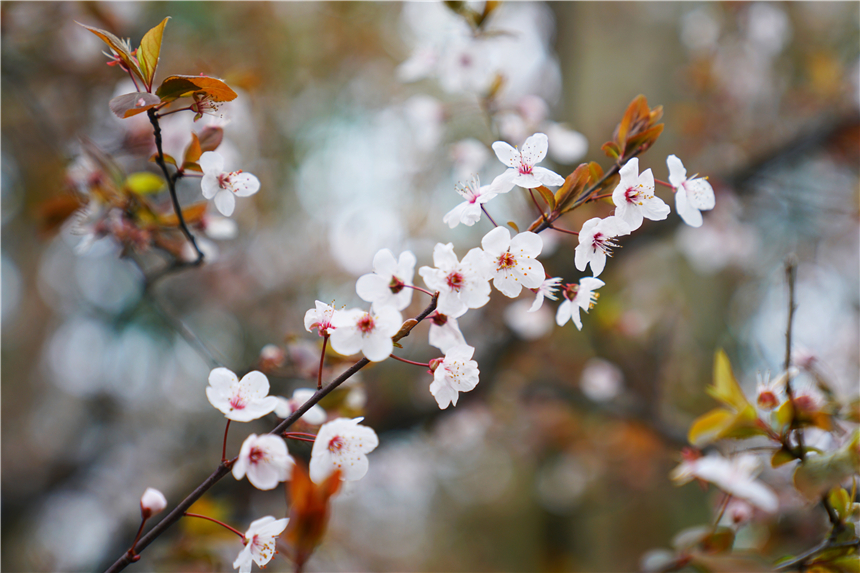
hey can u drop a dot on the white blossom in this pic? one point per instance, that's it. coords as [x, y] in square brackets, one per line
[260, 542]
[315, 414]
[265, 460]
[634, 196]
[387, 284]
[735, 477]
[469, 211]
[240, 401]
[583, 297]
[368, 332]
[455, 373]
[444, 332]
[342, 444]
[222, 185]
[461, 284]
[512, 262]
[596, 241]
[320, 317]
[522, 169]
[691, 195]
[546, 290]
[151, 502]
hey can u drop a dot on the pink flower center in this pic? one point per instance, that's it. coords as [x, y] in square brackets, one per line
[525, 168]
[455, 281]
[632, 195]
[336, 444]
[365, 323]
[256, 455]
[506, 261]
[439, 319]
[237, 402]
[396, 285]
[767, 400]
[603, 243]
[224, 181]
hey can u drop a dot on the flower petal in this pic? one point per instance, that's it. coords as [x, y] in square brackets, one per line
[211, 163]
[507, 154]
[225, 202]
[244, 184]
[677, 172]
[535, 148]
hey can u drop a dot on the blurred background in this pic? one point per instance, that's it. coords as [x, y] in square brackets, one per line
[358, 119]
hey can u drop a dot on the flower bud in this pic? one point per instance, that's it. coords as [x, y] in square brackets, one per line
[152, 502]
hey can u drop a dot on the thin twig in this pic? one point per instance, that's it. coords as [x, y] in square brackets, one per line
[171, 185]
[791, 277]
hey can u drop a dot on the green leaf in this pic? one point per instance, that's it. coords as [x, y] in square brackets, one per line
[781, 457]
[817, 474]
[120, 47]
[840, 501]
[144, 183]
[149, 52]
[132, 104]
[726, 388]
[175, 87]
[708, 427]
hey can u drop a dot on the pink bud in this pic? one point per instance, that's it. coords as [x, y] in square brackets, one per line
[152, 502]
[434, 364]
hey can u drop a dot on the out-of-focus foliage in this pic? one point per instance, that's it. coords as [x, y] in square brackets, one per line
[559, 459]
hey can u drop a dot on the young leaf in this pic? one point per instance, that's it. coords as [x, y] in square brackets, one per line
[132, 104]
[547, 196]
[726, 388]
[191, 214]
[176, 87]
[611, 150]
[513, 226]
[121, 48]
[167, 159]
[143, 183]
[193, 153]
[210, 138]
[149, 52]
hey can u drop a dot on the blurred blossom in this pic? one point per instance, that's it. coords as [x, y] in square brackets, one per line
[768, 27]
[425, 114]
[528, 325]
[601, 380]
[566, 146]
[722, 240]
[469, 156]
[133, 359]
[561, 483]
[73, 531]
[699, 30]
[11, 289]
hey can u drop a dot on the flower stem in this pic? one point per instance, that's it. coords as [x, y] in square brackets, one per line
[409, 361]
[213, 520]
[131, 552]
[174, 111]
[296, 436]
[484, 209]
[224, 447]
[322, 360]
[540, 210]
[664, 184]
[560, 230]
[723, 507]
[425, 291]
